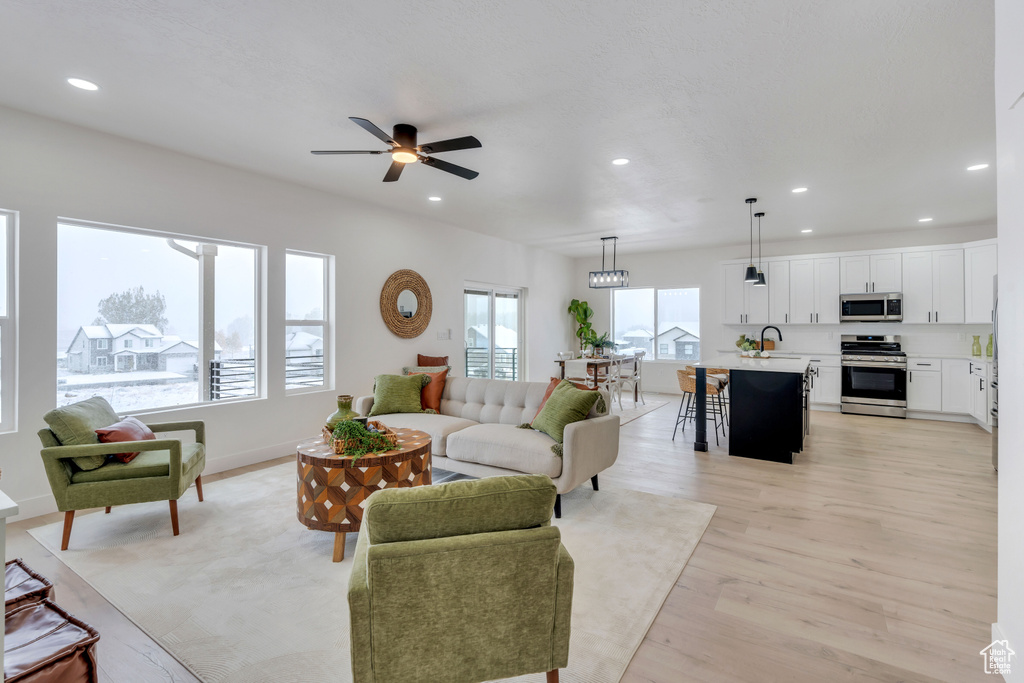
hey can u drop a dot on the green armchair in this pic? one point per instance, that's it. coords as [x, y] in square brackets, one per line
[82, 477]
[461, 582]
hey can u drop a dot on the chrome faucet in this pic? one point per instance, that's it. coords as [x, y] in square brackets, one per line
[766, 328]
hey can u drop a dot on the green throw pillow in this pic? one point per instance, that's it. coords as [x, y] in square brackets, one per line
[566, 405]
[76, 425]
[398, 394]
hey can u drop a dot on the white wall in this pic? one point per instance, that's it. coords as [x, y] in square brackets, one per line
[1010, 191]
[702, 268]
[53, 170]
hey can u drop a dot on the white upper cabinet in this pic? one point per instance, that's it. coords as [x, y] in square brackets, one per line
[801, 291]
[948, 285]
[933, 286]
[744, 303]
[874, 273]
[778, 292]
[979, 269]
[855, 274]
[826, 290]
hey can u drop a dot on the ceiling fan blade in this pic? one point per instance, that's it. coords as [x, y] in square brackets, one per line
[339, 151]
[450, 168]
[373, 130]
[393, 172]
[468, 142]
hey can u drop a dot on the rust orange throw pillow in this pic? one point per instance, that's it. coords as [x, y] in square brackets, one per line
[128, 429]
[431, 361]
[430, 396]
[551, 387]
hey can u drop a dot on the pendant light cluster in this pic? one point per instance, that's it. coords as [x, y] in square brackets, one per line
[755, 276]
[606, 279]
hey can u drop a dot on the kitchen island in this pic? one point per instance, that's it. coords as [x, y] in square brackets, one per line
[768, 405]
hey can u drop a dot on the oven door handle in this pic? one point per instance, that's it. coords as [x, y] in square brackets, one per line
[873, 364]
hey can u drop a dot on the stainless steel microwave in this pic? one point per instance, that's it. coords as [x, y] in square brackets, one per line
[871, 307]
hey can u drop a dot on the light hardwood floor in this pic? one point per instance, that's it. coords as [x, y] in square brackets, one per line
[872, 557]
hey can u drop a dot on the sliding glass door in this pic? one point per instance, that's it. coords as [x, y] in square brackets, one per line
[494, 338]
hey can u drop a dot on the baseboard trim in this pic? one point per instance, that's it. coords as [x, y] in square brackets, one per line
[44, 505]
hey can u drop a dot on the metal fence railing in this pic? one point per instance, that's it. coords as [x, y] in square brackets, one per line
[304, 371]
[236, 378]
[506, 363]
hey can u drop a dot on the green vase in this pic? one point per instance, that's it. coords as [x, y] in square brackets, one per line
[976, 346]
[988, 349]
[344, 412]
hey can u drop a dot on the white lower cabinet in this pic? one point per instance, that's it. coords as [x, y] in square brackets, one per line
[979, 392]
[924, 385]
[956, 386]
[826, 381]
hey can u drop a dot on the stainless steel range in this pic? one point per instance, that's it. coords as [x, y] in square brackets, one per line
[874, 372]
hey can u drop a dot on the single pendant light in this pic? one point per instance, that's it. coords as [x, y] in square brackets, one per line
[760, 274]
[751, 275]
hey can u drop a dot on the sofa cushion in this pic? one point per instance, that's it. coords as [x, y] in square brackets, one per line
[128, 429]
[505, 446]
[459, 508]
[566, 405]
[76, 425]
[397, 394]
[147, 464]
[438, 426]
[431, 361]
[430, 396]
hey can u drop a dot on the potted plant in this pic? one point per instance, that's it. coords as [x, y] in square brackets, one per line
[582, 313]
[600, 343]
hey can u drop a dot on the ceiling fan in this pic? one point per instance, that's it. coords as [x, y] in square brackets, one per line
[404, 149]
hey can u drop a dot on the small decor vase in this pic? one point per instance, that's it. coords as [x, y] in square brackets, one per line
[344, 412]
[976, 346]
[988, 349]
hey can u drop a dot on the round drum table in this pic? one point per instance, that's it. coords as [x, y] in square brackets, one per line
[333, 488]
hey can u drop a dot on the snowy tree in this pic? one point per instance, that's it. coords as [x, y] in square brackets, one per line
[133, 306]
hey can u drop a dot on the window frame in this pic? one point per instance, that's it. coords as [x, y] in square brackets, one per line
[492, 292]
[656, 355]
[326, 323]
[9, 331]
[259, 292]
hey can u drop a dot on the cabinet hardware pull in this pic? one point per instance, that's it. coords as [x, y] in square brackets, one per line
[865, 286]
[787, 317]
[872, 286]
[936, 316]
[910, 377]
[929, 316]
[812, 317]
[816, 317]
[923, 365]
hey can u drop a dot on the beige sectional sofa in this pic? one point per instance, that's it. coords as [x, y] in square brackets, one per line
[476, 433]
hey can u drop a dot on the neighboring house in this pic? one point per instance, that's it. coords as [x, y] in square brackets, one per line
[303, 344]
[505, 338]
[678, 343]
[637, 339]
[100, 349]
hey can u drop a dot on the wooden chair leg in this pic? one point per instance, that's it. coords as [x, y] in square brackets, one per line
[174, 516]
[553, 676]
[199, 487]
[108, 510]
[69, 519]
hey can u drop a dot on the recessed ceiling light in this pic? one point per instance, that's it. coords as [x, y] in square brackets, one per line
[434, 199]
[83, 84]
[799, 189]
[977, 167]
[923, 220]
[620, 162]
[807, 230]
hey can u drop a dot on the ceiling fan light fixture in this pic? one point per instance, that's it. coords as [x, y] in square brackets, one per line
[404, 155]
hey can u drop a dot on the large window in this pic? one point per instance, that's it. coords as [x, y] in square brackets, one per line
[154, 320]
[307, 306]
[8, 364]
[493, 332]
[663, 322]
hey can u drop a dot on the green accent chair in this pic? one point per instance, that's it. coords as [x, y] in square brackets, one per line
[461, 582]
[163, 470]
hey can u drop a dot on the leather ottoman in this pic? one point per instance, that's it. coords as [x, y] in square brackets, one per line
[45, 644]
[23, 586]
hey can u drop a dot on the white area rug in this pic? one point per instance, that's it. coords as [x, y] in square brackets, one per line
[630, 414]
[246, 594]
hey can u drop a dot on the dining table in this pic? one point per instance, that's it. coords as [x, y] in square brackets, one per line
[591, 367]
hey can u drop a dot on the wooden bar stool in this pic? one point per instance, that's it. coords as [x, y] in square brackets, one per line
[687, 404]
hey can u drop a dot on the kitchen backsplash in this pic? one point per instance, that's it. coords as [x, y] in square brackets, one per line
[943, 340]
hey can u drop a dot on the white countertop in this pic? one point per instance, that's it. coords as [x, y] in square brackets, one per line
[736, 362]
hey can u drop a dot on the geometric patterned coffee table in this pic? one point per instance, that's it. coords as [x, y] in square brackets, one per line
[332, 489]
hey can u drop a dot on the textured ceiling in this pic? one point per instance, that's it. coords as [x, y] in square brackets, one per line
[876, 106]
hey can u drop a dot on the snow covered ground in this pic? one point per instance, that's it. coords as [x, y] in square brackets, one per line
[126, 398]
[71, 380]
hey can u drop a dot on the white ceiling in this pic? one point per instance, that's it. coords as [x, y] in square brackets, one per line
[876, 106]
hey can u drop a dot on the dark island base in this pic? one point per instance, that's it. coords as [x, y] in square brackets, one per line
[767, 417]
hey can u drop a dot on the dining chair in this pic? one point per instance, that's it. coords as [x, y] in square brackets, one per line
[629, 379]
[638, 374]
[611, 381]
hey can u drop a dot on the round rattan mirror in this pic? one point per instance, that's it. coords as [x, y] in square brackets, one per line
[407, 288]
